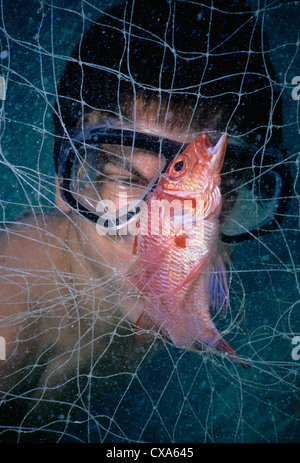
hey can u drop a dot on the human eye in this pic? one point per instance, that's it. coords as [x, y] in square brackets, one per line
[117, 179]
[113, 172]
[126, 176]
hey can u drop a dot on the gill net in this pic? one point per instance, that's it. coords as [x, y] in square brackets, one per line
[84, 377]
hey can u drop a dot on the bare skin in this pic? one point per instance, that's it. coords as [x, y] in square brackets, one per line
[61, 322]
[59, 271]
[68, 309]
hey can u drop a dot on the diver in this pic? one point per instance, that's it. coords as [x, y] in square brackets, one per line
[145, 80]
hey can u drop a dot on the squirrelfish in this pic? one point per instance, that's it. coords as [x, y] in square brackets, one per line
[180, 271]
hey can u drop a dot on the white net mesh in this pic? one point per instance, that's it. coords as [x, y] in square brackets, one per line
[73, 370]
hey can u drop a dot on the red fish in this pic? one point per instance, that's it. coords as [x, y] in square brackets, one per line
[180, 272]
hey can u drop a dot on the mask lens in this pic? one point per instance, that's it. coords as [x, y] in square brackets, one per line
[113, 173]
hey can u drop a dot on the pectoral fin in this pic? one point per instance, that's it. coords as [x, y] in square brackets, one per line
[193, 273]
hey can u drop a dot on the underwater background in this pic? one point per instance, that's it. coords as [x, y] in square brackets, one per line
[177, 396]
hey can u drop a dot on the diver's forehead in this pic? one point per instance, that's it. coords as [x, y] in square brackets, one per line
[181, 135]
[181, 131]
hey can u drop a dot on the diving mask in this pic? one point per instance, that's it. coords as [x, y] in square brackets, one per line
[113, 160]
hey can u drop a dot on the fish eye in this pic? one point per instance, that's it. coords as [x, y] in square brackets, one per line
[178, 166]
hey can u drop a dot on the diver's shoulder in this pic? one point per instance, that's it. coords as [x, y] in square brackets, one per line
[31, 223]
[34, 235]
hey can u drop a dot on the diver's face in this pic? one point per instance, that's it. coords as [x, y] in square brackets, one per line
[123, 176]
